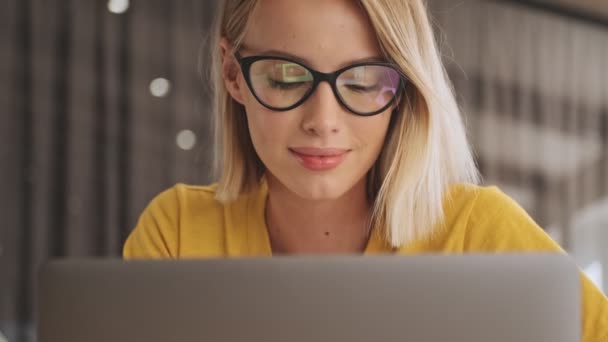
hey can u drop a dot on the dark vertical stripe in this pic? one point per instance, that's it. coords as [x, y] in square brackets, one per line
[582, 118]
[565, 214]
[539, 186]
[582, 193]
[480, 100]
[516, 96]
[537, 108]
[500, 109]
[169, 7]
[481, 165]
[24, 235]
[124, 153]
[479, 93]
[603, 127]
[537, 100]
[567, 110]
[59, 173]
[100, 241]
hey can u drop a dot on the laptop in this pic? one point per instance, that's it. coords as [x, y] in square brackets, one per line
[472, 298]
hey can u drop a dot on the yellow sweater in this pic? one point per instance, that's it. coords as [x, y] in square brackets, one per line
[187, 222]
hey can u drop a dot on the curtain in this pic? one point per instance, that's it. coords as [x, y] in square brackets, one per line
[84, 145]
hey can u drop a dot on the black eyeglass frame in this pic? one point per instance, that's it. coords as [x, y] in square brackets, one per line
[318, 77]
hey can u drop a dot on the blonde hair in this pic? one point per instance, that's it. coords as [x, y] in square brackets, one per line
[426, 148]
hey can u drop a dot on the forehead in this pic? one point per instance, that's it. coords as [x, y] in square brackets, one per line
[327, 34]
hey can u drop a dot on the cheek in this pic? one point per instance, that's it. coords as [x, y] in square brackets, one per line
[269, 130]
[372, 131]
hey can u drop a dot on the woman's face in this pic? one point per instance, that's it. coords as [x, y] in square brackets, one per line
[318, 150]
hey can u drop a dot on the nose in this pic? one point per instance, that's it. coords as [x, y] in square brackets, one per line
[322, 112]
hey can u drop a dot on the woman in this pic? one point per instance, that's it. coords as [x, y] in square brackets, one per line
[338, 133]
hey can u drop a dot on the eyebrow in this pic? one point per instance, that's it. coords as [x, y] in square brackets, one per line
[278, 53]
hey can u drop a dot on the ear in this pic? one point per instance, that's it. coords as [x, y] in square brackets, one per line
[230, 71]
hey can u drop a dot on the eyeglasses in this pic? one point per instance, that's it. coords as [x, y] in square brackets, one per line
[283, 84]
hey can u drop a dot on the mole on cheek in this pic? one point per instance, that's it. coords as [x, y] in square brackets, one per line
[326, 233]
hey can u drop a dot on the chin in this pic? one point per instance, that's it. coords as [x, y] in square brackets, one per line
[329, 188]
[319, 194]
[315, 187]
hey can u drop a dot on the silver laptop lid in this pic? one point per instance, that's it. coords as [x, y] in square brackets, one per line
[474, 298]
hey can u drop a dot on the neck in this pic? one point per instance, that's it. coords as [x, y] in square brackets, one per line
[301, 226]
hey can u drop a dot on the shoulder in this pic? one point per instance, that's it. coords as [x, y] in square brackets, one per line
[465, 194]
[183, 197]
[480, 203]
[172, 217]
[488, 220]
[183, 204]
[186, 192]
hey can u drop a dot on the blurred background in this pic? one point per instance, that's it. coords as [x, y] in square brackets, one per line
[105, 104]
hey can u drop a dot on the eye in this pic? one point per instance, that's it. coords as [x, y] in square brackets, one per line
[360, 88]
[285, 85]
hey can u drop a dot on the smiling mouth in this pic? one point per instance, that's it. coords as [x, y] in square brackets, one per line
[319, 159]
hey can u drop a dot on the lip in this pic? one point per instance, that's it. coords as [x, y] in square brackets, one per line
[319, 159]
